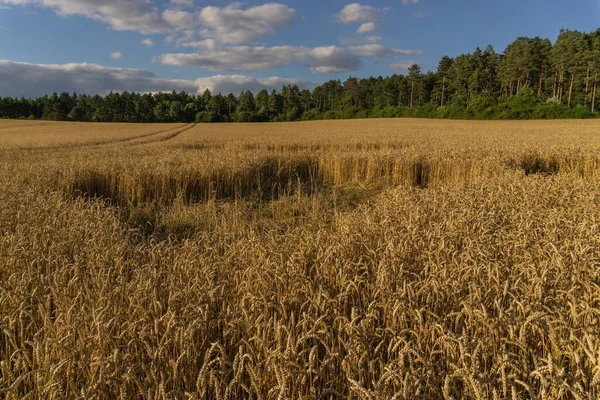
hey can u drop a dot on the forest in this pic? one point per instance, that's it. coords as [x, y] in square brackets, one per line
[532, 79]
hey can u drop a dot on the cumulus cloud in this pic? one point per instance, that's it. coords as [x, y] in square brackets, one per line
[131, 15]
[321, 60]
[148, 42]
[357, 13]
[181, 19]
[332, 59]
[116, 55]
[233, 25]
[366, 27]
[32, 80]
[237, 58]
[229, 24]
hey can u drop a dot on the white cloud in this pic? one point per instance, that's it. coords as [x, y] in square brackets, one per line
[148, 42]
[403, 65]
[332, 59]
[180, 19]
[322, 60]
[407, 2]
[116, 55]
[230, 24]
[131, 15]
[233, 25]
[357, 13]
[32, 80]
[237, 58]
[205, 44]
[366, 27]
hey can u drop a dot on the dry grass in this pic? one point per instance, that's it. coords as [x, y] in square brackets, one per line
[323, 260]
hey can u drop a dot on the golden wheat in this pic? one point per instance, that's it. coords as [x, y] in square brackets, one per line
[373, 259]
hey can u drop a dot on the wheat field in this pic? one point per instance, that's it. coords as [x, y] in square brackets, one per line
[364, 259]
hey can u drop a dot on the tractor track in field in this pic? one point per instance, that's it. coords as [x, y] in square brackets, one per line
[114, 141]
[175, 134]
[144, 136]
[169, 136]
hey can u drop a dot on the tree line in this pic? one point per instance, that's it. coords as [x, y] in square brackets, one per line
[532, 78]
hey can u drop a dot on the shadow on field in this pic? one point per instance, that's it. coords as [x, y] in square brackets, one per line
[340, 181]
[540, 164]
[263, 182]
[266, 181]
[142, 197]
[549, 164]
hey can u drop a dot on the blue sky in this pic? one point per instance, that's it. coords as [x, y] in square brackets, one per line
[142, 45]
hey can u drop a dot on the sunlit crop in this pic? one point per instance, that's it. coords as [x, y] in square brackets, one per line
[371, 259]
